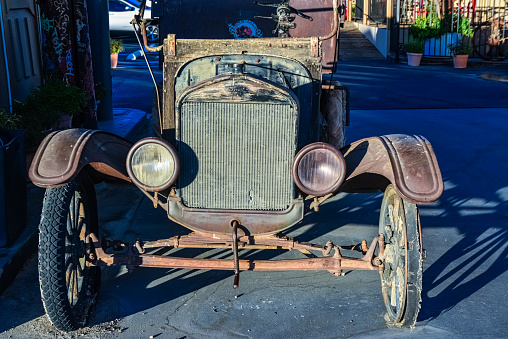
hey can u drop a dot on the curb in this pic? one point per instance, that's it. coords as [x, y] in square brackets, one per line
[13, 258]
[447, 61]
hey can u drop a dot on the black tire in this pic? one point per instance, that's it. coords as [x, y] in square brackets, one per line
[69, 285]
[401, 280]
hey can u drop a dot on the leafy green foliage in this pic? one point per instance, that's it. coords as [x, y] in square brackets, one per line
[450, 22]
[431, 26]
[426, 28]
[461, 47]
[415, 46]
[42, 109]
[116, 46]
[9, 120]
[100, 90]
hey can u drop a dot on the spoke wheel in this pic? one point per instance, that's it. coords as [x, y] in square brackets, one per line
[68, 283]
[401, 279]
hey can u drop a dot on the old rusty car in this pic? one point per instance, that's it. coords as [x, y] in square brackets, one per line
[249, 139]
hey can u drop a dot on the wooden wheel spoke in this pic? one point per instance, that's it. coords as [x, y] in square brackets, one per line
[76, 206]
[80, 266]
[70, 231]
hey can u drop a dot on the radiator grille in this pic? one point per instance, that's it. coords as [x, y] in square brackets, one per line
[237, 156]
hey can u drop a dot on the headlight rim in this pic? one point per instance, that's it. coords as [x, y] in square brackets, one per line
[307, 149]
[166, 145]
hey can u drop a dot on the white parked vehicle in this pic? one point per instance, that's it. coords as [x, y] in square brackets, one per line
[121, 13]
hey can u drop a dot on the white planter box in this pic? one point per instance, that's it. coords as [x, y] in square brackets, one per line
[439, 46]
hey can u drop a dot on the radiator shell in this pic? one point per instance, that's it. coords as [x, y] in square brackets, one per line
[236, 139]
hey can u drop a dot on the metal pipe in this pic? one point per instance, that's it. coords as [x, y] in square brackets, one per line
[9, 90]
[308, 264]
[335, 23]
[335, 264]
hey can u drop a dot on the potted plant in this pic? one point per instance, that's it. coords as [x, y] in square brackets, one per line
[115, 46]
[414, 50]
[460, 52]
[50, 106]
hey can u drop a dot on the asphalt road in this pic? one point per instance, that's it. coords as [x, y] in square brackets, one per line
[132, 84]
[465, 234]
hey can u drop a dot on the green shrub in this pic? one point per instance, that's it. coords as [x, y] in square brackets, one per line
[461, 47]
[414, 46]
[449, 23]
[432, 27]
[9, 120]
[426, 28]
[100, 91]
[116, 46]
[42, 109]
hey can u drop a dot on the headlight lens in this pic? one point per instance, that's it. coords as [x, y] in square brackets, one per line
[152, 164]
[319, 169]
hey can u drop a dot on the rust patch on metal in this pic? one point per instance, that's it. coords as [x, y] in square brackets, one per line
[171, 44]
[408, 162]
[314, 47]
[334, 264]
[62, 155]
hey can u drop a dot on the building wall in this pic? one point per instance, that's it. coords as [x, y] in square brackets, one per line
[376, 35]
[22, 45]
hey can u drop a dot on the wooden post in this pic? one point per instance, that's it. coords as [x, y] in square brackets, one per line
[389, 22]
[366, 10]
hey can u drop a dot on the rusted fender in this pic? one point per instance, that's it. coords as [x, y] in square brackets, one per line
[62, 155]
[408, 162]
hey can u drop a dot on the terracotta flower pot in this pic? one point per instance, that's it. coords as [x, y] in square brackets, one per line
[460, 61]
[413, 59]
[114, 60]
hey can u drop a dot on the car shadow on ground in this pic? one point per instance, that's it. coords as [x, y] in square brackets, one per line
[478, 258]
[464, 269]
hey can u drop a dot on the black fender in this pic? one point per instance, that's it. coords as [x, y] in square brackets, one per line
[407, 162]
[63, 154]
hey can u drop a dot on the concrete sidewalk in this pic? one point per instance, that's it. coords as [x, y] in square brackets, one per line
[354, 46]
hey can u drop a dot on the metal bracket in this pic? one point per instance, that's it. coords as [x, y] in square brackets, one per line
[172, 44]
[314, 47]
[235, 253]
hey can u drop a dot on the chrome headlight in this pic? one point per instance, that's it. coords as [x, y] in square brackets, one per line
[152, 164]
[319, 169]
